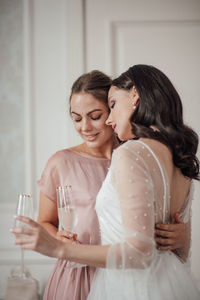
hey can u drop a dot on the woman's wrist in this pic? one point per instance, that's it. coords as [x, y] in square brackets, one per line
[60, 251]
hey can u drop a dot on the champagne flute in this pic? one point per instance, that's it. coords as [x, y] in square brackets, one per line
[67, 213]
[24, 208]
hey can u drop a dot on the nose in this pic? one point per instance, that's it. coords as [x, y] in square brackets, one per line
[86, 125]
[109, 120]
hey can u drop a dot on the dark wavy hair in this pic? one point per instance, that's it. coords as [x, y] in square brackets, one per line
[160, 106]
[95, 83]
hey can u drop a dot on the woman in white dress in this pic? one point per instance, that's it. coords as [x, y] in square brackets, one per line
[150, 178]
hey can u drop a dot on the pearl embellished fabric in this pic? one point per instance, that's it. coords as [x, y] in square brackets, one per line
[134, 197]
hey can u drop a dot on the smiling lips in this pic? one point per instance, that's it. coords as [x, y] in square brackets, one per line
[90, 137]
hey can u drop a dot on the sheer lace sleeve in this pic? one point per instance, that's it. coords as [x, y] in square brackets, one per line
[132, 180]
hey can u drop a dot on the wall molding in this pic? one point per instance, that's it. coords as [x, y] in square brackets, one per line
[28, 11]
[113, 28]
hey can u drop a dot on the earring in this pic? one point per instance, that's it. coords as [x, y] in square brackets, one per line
[134, 106]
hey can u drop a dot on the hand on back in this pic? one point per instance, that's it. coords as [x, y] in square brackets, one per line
[172, 236]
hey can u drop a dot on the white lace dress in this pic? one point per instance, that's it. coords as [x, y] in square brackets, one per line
[134, 196]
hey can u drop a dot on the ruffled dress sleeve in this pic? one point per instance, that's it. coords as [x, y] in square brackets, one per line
[50, 177]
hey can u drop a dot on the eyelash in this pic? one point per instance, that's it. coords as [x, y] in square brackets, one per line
[112, 104]
[97, 118]
[94, 119]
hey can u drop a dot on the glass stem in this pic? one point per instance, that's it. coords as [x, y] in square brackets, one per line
[22, 262]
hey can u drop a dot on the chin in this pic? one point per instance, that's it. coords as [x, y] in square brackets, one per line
[125, 135]
[123, 138]
[94, 144]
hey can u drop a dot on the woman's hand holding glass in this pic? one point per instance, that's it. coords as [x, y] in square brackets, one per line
[25, 208]
[33, 236]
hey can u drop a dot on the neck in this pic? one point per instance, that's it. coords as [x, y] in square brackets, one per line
[105, 151]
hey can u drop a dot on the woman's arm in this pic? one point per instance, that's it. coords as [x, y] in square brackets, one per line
[38, 239]
[48, 216]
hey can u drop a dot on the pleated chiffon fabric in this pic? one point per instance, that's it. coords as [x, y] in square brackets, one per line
[85, 174]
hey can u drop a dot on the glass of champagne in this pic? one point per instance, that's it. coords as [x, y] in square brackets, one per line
[24, 208]
[67, 214]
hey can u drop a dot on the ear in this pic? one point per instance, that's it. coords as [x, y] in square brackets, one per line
[134, 95]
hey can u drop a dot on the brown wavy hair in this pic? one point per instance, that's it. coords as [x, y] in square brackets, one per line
[95, 83]
[160, 106]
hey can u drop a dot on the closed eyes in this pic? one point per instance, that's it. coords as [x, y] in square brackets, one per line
[92, 118]
[112, 104]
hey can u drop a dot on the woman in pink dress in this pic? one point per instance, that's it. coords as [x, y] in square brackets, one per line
[84, 167]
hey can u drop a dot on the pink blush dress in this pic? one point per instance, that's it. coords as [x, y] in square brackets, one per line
[85, 174]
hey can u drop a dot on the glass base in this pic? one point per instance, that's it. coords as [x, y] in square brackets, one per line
[17, 272]
[73, 265]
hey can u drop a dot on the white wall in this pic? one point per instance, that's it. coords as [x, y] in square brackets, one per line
[33, 112]
[11, 100]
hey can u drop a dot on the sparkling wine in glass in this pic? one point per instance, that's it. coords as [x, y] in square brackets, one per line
[24, 208]
[67, 213]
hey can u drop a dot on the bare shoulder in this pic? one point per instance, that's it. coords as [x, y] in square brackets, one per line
[142, 145]
[145, 147]
[164, 154]
[161, 150]
[155, 145]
